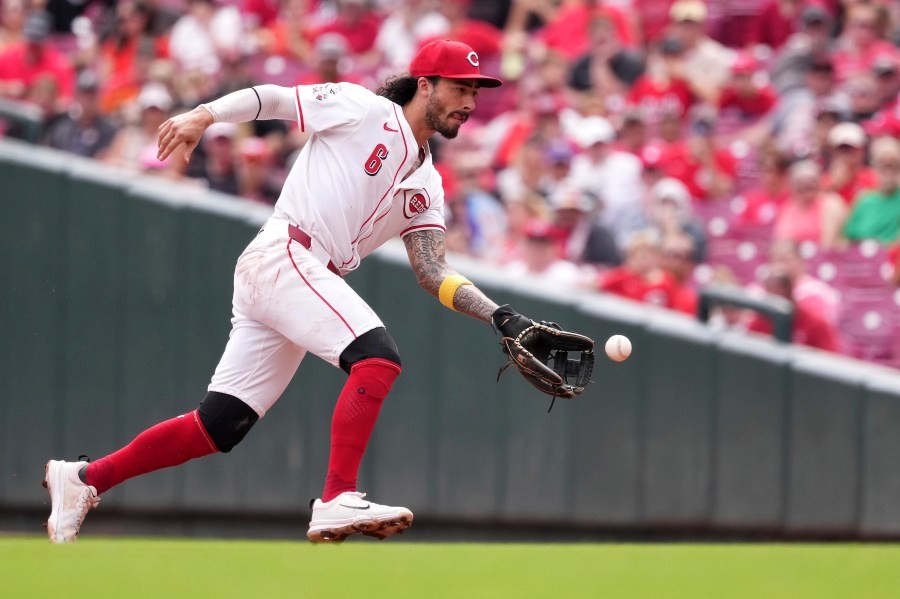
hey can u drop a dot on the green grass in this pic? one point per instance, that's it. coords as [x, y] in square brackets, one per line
[128, 568]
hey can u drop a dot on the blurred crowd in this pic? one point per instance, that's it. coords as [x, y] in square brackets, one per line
[644, 148]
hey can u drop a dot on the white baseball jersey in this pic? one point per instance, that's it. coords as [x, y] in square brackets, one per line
[353, 186]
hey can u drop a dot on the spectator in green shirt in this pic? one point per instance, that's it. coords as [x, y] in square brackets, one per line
[876, 212]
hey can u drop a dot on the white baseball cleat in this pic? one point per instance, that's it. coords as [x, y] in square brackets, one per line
[349, 513]
[70, 500]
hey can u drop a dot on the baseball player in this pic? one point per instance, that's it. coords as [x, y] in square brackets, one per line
[365, 176]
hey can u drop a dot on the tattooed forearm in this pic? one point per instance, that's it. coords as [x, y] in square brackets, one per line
[471, 301]
[426, 255]
[426, 251]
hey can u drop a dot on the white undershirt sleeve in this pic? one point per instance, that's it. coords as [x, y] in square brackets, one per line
[262, 102]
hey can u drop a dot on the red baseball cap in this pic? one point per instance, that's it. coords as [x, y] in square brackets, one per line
[451, 60]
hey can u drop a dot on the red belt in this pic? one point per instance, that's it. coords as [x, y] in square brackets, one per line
[305, 240]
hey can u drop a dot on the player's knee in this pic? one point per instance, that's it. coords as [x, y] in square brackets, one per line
[226, 419]
[376, 343]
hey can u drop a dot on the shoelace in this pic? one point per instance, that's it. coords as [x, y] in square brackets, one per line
[86, 501]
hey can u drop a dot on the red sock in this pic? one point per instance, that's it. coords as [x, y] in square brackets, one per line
[169, 443]
[354, 418]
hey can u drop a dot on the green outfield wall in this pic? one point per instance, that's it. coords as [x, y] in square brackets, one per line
[115, 304]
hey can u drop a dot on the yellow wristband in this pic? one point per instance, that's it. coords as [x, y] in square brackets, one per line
[449, 287]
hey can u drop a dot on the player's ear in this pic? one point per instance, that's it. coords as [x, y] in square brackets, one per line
[425, 86]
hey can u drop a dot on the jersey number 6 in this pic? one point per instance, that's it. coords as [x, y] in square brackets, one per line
[375, 160]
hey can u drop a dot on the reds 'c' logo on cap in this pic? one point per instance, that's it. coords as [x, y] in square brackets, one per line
[416, 204]
[451, 60]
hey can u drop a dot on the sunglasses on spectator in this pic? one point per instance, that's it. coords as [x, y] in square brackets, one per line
[863, 24]
[887, 166]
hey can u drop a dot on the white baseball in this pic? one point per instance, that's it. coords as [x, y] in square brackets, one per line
[618, 348]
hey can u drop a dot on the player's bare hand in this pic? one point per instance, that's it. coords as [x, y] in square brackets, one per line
[183, 129]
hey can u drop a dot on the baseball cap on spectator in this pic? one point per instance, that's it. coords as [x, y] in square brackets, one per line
[331, 46]
[558, 152]
[688, 10]
[539, 229]
[547, 104]
[847, 134]
[884, 65]
[670, 190]
[744, 64]
[221, 130]
[154, 95]
[814, 14]
[37, 26]
[254, 149]
[633, 115]
[594, 130]
[571, 198]
[651, 155]
[830, 106]
[451, 60]
[87, 81]
[671, 46]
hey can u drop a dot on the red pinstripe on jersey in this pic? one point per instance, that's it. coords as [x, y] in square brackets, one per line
[299, 109]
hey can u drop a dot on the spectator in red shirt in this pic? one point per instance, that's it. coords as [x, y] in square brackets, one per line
[744, 93]
[813, 294]
[679, 260]
[707, 170]
[24, 64]
[847, 171]
[481, 36]
[641, 277]
[567, 32]
[809, 328]
[862, 41]
[760, 204]
[660, 90]
[356, 22]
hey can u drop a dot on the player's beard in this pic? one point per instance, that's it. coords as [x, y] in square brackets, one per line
[433, 111]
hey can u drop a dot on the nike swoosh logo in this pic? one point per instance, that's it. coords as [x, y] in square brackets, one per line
[355, 507]
[386, 128]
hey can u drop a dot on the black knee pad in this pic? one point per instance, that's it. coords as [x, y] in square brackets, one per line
[226, 419]
[372, 344]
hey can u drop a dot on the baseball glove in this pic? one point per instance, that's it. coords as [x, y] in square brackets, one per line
[540, 351]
